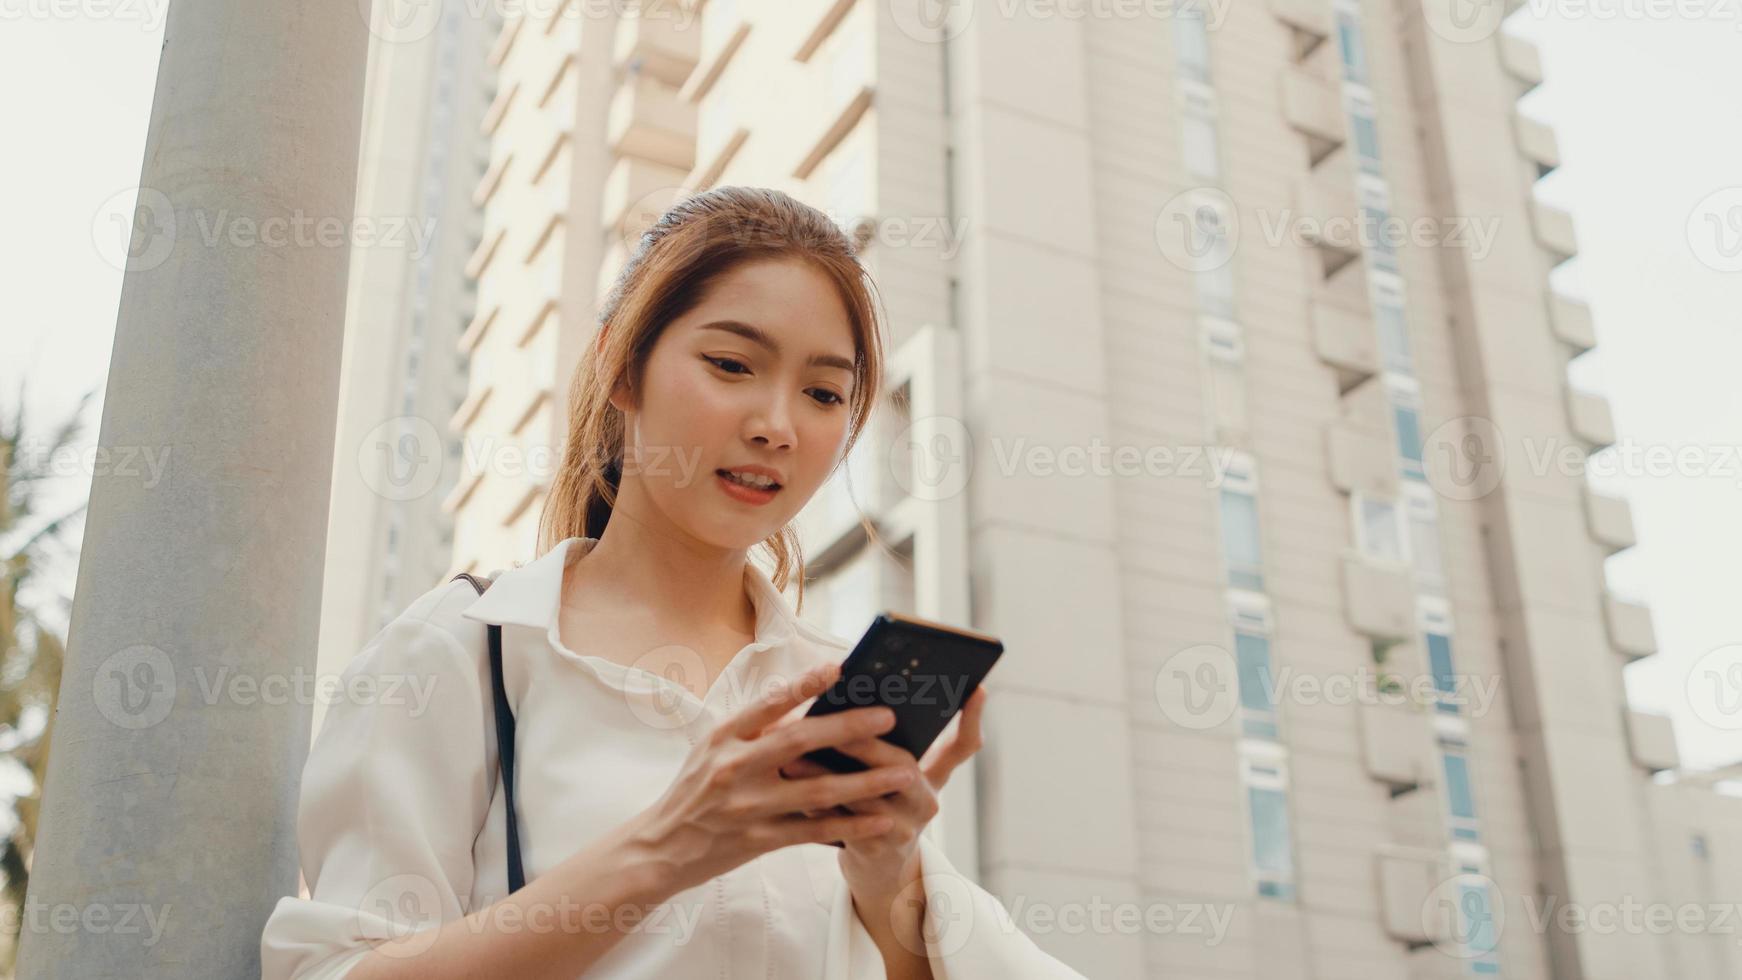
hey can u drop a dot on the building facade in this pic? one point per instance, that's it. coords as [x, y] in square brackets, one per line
[389, 538]
[1221, 338]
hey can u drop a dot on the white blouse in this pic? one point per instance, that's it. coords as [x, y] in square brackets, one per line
[401, 823]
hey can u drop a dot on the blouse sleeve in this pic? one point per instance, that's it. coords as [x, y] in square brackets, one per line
[393, 795]
[969, 935]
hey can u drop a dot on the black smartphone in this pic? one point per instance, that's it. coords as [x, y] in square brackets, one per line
[923, 670]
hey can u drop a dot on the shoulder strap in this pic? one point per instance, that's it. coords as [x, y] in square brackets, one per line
[504, 739]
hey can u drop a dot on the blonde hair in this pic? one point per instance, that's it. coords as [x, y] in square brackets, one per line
[692, 245]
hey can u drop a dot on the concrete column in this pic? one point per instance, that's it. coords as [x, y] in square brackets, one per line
[168, 827]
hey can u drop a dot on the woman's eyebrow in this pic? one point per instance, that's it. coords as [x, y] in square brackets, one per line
[760, 336]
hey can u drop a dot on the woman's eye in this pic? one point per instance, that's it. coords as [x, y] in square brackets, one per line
[832, 399]
[721, 362]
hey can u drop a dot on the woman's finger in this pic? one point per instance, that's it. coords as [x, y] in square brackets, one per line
[756, 717]
[948, 753]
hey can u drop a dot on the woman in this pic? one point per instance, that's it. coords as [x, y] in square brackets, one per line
[668, 825]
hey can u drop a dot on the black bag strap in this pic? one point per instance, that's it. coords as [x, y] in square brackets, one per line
[504, 739]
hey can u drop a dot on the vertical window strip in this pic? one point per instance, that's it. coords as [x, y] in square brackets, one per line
[1272, 854]
[1391, 321]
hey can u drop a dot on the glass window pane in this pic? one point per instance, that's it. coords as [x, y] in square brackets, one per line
[1393, 336]
[1366, 138]
[1379, 534]
[1478, 928]
[1439, 658]
[1458, 796]
[1228, 394]
[1200, 146]
[1216, 290]
[1253, 655]
[1349, 43]
[1240, 539]
[1270, 847]
[1408, 434]
[1191, 45]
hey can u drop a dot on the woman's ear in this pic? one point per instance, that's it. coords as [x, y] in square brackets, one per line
[622, 398]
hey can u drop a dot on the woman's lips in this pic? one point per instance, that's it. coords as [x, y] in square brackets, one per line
[747, 494]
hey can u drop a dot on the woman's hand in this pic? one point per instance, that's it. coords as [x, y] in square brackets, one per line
[878, 866]
[730, 803]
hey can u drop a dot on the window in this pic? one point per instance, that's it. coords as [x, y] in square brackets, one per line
[1216, 290]
[1439, 659]
[1424, 537]
[1264, 772]
[1377, 533]
[1191, 45]
[1393, 337]
[1460, 800]
[1366, 141]
[1476, 926]
[1240, 545]
[1257, 687]
[1200, 147]
[1270, 850]
[1434, 619]
[1364, 125]
[1408, 420]
[1227, 399]
[1349, 43]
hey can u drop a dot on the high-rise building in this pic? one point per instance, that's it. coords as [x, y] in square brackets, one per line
[1227, 345]
[389, 539]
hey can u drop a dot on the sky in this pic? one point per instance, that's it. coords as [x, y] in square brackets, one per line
[1646, 115]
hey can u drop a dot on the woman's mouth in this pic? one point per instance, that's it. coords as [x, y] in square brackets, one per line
[751, 490]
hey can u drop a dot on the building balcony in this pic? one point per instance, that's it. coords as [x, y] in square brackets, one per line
[723, 33]
[1554, 230]
[1651, 740]
[1536, 141]
[1589, 417]
[1610, 521]
[1521, 59]
[1344, 339]
[1395, 747]
[1361, 459]
[1325, 201]
[665, 48]
[649, 121]
[1571, 321]
[1408, 879]
[1415, 818]
[635, 193]
[1378, 600]
[1630, 627]
[1311, 20]
[1311, 105]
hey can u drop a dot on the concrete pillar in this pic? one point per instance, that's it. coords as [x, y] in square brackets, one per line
[168, 827]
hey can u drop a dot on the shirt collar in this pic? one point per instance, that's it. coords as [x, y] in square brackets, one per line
[531, 594]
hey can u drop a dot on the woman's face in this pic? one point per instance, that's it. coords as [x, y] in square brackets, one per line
[758, 374]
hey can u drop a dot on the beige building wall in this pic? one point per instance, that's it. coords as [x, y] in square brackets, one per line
[1136, 233]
